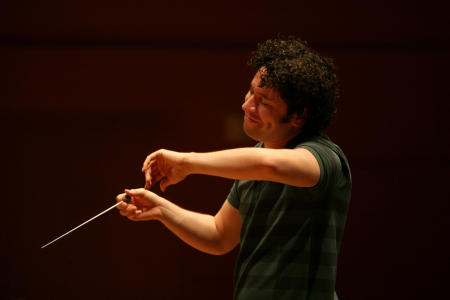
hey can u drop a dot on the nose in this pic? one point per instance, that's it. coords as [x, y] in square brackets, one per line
[249, 103]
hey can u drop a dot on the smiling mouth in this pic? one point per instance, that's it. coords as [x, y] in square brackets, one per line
[250, 119]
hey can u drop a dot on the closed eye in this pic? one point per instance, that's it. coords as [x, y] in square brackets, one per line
[263, 102]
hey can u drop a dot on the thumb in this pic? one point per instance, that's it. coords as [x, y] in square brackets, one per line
[134, 192]
[164, 183]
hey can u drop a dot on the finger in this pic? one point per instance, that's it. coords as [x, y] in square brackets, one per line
[130, 192]
[129, 210]
[134, 218]
[164, 184]
[121, 206]
[144, 215]
[156, 178]
[149, 160]
[146, 162]
[152, 164]
[119, 199]
[155, 171]
[135, 192]
[152, 174]
[148, 179]
[136, 215]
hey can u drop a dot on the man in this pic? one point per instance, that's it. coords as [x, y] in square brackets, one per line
[288, 205]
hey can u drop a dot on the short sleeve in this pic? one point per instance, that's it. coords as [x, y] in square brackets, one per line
[233, 196]
[328, 160]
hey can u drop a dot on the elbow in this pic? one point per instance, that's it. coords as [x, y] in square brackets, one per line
[218, 252]
[220, 249]
[222, 245]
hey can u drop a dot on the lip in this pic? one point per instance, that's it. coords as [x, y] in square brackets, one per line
[250, 119]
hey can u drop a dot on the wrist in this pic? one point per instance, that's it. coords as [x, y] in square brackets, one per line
[188, 163]
[169, 213]
[162, 204]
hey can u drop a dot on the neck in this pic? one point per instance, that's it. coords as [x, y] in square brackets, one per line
[281, 143]
[274, 145]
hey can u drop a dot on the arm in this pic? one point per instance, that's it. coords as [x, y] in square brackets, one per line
[217, 234]
[297, 167]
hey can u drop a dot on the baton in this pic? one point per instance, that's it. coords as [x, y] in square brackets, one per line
[127, 199]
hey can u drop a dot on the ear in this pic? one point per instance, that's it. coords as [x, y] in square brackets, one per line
[298, 120]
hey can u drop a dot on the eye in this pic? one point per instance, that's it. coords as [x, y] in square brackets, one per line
[262, 102]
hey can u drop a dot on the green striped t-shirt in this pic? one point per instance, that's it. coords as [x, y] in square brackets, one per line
[290, 236]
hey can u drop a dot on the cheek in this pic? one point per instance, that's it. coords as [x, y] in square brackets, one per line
[265, 114]
[269, 118]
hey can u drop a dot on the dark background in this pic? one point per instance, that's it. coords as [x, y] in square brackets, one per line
[88, 89]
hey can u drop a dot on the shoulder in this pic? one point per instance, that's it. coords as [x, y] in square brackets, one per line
[331, 158]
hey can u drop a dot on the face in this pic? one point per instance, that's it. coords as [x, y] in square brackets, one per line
[265, 116]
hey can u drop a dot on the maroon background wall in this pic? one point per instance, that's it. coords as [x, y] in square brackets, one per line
[89, 89]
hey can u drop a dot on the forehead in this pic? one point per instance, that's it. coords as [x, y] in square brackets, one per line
[265, 91]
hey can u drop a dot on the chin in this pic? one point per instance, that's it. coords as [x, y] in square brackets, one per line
[251, 133]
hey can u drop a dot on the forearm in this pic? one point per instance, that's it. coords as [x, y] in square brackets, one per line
[196, 229]
[240, 163]
[295, 167]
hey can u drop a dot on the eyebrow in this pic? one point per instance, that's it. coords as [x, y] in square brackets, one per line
[262, 94]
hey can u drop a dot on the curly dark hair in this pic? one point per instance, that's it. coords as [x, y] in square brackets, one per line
[302, 77]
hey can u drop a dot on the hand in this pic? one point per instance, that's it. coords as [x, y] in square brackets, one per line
[144, 205]
[165, 166]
